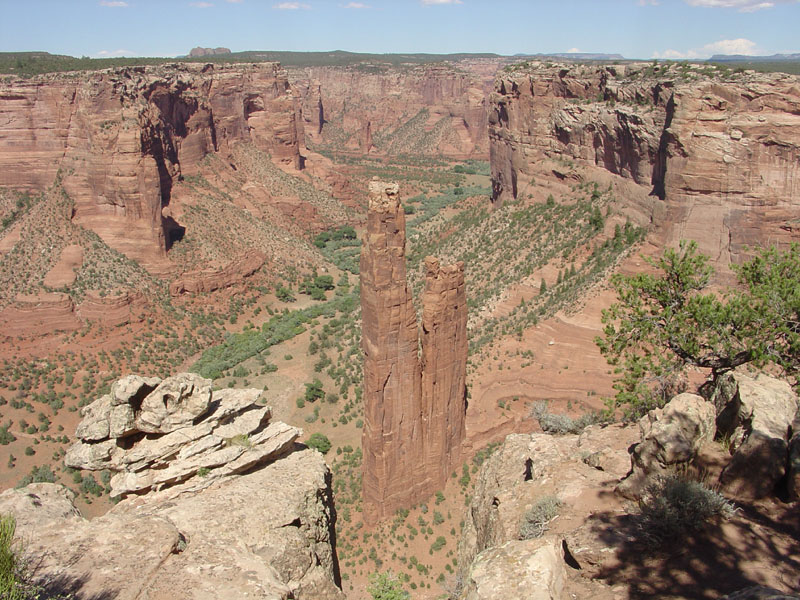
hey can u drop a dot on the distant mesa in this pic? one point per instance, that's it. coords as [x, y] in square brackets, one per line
[198, 51]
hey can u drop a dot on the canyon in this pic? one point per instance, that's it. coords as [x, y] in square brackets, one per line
[227, 218]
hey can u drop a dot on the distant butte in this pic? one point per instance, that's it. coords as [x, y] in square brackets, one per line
[414, 409]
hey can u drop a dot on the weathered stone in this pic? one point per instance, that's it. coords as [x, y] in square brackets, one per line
[94, 457]
[670, 437]
[132, 389]
[267, 534]
[413, 419]
[94, 427]
[531, 569]
[174, 404]
[756, 415]
[194, 437]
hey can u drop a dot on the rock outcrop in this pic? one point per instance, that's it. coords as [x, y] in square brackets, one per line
[40, 314]
[719, 152]
[671, 437]
[154, 434]
[413, 412]
[114, 309]
[119, 138]
[208, 280]
[755, 415]
[267, 534]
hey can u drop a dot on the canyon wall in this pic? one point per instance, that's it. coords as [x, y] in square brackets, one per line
[437, 109]
[718, 151]
[413, 411]
[119, 138]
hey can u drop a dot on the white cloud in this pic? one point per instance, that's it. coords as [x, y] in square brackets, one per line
[110, 53]
[356, 5]
[740, 5]
[737, 46]
[113, 3]
[649, 3]
[291, 6]
[234, 1]
[201, 4]
[432, 2]
[573, 51]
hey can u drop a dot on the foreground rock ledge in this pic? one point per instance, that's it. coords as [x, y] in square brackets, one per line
[267, 534]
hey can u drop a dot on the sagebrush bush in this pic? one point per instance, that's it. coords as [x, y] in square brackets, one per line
[14, 576]
[561, 424]
[536, 519]
[675, 505]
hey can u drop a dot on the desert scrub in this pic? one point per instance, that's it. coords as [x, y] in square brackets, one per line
[561, 424]
[538, 517]
[675, 505]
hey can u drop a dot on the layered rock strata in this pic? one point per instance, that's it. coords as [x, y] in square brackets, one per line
[414, 411]
[720, 153]
[155, 434]
[119, 138]
[208, 280]
[430, 109]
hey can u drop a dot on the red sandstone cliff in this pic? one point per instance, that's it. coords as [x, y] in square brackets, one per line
[413, 413]
[719, 153]
[119, 138]
[426, 109]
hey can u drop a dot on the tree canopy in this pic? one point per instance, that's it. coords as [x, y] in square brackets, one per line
[666, 322]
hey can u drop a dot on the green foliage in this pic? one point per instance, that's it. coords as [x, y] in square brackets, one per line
[13, 572]
[314, 391]
[673, 506]
[284, 294]
[385, 586]
[43, 474]
[536, 519]
[666, 322]
[6, 437]
[320, 442]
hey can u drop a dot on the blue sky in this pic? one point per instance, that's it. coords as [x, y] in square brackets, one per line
[633, 28]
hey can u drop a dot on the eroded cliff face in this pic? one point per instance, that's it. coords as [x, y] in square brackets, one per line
[413, 411]
[119, 138]
[719, 152]
[427, 109]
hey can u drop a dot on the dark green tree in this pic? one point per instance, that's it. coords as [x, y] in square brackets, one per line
[666, 322]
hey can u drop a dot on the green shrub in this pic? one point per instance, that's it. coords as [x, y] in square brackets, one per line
[536, 519]
[674, 505]
[320, 442]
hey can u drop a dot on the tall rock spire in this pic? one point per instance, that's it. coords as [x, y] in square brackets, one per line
[414, 418]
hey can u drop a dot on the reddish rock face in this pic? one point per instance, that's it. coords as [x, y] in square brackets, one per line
[720, 154]
[428, 109]
[119, 138]
[414, 413]
[209, 280]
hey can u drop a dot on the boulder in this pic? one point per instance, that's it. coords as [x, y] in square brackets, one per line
[670, 437]
[755, 414]
[531, 569]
